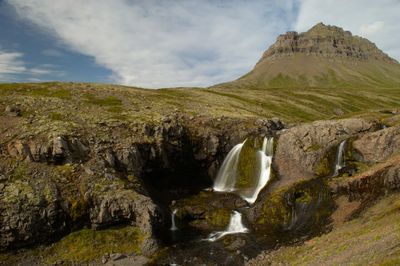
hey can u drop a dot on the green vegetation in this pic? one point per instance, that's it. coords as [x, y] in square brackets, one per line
[325, 166]
[310, 200]
[342, 245]
[20, 172]
[248, 169]
[88, 245]
[56, 116]
[219, 218]
[109, 101]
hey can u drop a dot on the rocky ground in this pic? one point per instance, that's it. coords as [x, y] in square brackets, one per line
[89, 175]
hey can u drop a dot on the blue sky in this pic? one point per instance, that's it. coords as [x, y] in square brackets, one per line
[159, 43]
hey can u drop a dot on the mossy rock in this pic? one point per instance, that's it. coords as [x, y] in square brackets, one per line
[79, 209]
[218, 219]
[325, 167]
[88, 245]
[304, 206]
[248, 165]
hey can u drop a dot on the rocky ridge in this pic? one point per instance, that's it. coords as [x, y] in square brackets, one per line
[325, 41]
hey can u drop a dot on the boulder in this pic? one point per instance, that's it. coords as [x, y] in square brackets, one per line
[113, 204]
[377, 146]
[306, 151]
[378, 180]
[58, 150]
[30, 212]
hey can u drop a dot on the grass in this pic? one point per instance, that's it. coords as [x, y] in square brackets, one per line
[109, 101]
[56, 116]
[370, 239]
[88, 244]
[242, 100]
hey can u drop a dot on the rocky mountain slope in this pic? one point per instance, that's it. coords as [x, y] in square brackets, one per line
[324, 56]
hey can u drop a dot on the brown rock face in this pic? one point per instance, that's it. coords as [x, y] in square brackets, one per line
[380, 179]
[325, 41]
[378, 146]
[300, 149]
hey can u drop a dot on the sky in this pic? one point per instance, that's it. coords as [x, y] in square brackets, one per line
[175, 43]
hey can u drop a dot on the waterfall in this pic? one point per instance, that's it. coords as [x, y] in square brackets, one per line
[227, 175]
[339, 163]
[235, 227]
[173, 226]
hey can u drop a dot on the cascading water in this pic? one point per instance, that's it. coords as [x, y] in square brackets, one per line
[226, 178]
[173, 225]
[339, 163]
[227, 175]
[235, 227]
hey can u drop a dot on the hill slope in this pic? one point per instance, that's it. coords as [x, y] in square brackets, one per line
[324, 56]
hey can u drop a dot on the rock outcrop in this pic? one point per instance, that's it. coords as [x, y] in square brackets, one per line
[309, 150]
[325, 41]
[377, 146]
[31, 212]
[380, 179]
[57, 150]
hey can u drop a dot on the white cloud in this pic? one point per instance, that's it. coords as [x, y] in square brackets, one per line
[375, 20]
[371, 29]
[164, 43]
[10, 65]
[13, 66]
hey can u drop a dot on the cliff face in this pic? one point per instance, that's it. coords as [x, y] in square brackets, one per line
[325, 41]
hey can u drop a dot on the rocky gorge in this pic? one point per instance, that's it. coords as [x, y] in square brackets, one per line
[55, 185]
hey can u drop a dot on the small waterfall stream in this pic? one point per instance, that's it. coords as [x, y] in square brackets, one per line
[339, 163]
[235, 227]
[225, 181]
[173, 225]
[227, 175]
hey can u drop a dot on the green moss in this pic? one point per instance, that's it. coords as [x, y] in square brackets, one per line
[310, 200]
[361, 241]
[46, 92]
[325, 166]
[218, 218]
[276, 213]
[78, 209]
[56, 116]
[248, 166]
[66, 171]
[315, 147]
[20, 172]
[110, 101]
[90, 245]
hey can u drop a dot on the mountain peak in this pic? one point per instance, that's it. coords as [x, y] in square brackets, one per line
[325, 56]
[325, 41]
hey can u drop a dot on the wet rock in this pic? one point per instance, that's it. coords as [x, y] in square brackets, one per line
[129, 261]
[381, 178]
[297, 209]
[306, 151]
[149, 246]
[377, 146]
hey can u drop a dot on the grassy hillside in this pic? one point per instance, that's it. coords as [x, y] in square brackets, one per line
[313, 71]
[69, 103]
